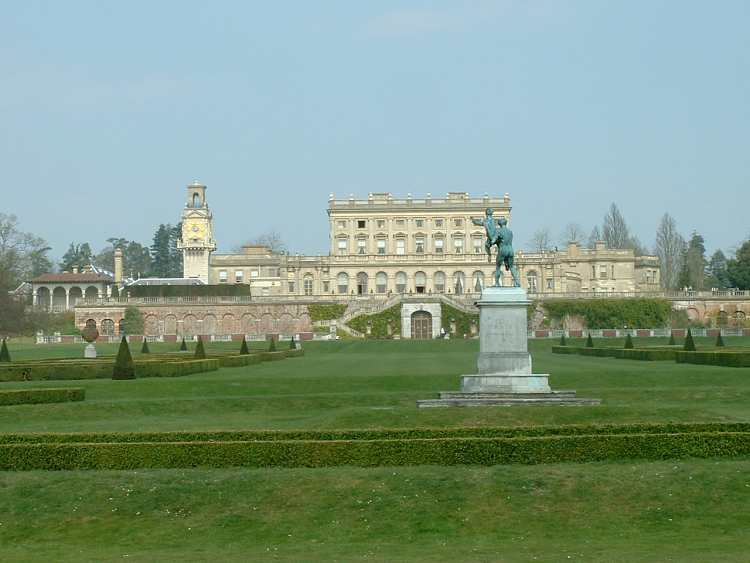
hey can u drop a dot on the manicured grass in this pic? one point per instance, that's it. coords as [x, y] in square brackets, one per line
[690, 511]
[376, 384]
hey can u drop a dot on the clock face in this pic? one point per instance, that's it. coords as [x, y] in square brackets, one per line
[194, 231]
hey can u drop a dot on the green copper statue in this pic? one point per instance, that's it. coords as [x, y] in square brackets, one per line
[498, 234]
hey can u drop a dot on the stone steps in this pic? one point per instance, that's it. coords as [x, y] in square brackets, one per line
[507, 395]
[548, 399]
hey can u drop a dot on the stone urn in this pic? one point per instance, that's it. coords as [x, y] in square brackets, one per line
[90, 334]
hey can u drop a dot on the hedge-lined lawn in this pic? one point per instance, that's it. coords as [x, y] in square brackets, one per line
[354, 384]
[688, 511]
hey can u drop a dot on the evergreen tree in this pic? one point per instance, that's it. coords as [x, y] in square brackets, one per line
[133, 320]
[563, 340]
[738, 268]
[77, 255]
[144, 348]
[694, 263]
[292, 344]
[115, 292]
[671, 339]
[200, 352]
[628, 342]
[243, 348]
[589, 341]
[719, 340]
[689, 344]
[4, 354]
[183, 346]
[124, 366]
[272, 345]
[160, 252]
[717, 275]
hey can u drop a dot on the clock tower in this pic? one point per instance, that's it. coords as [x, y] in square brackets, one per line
[197, 242]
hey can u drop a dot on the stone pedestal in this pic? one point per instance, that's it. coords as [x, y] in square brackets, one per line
[504, 375]
[89, 351]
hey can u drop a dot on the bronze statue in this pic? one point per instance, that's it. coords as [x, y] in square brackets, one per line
[498, 234]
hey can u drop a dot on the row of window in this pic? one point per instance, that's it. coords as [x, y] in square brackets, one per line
[420, 246]
[239, 275]
[420, 223]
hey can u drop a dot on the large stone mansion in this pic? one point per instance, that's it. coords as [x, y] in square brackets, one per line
[386, 245]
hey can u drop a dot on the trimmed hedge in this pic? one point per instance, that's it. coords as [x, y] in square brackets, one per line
[727, 359]
[36, 396]
[93, 369]
[371, 453]
[644, 354]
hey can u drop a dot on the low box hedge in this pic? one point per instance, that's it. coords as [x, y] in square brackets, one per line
[643, 354]
[36, 396]
[371, 453]
[174, 369]
[723, 358]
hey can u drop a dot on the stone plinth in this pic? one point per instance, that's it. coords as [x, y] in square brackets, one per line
[89, 351]
[504, 375]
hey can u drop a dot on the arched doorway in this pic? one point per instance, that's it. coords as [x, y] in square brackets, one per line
[421, 325]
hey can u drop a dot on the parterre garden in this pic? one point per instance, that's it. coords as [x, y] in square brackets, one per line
[326, 457]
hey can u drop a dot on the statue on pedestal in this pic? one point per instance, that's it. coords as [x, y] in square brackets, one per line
[498, 234]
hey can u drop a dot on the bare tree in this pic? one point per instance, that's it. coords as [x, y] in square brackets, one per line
[615, 230]
[573, 232]
[541, 240]
[271, 239]
[594, 237]
[670, 248]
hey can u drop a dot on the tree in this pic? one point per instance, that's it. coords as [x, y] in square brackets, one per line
[124, 366]
[628, 342]
[243, 348]
[669, 248]
[717, 275]
[719, 340]
[540, 240]
[4, 354]
[166, 259]
[594, 237]
[272, 345]
[271, 239]
[136, 257]
[689, 343]
[573, 232]
[183, 346]
[563, 341]
[694, 263]
[615, 230]
[200, 352]
[292, 344]
[589, 341]
[671, 338]
[738, 268]
[144, 347]
[133, 320]
[77, 256]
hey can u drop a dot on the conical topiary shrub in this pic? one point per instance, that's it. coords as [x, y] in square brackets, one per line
[563, 341]
[183, 346]
[628, 342]
[144, 347]
[4, 354]
[719, 340]
[243, 348]
[124, 366]
[292, 344]
[689, 344]
[272, 345]
[200, 352]
[671, 338]
[589, 342]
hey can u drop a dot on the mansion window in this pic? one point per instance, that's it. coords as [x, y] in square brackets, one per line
[602, 272]
[531, 280]
[458, 246]
[438, 223]
[458, 222]
[361, 224]
[308, 285]
[400, 282]
[381, 223]
[477, 242]
[254, 273]
[439, 280]
[419, 223]
[419, 245]
[439, 244]
[550, 284]
[381, 282]
[342, 283]
[361, 246]
[381, 246]
[400, 246]
[613, 271]
[291, 287]
[222, 276]
[239, 276]
[342, 247]
[400, 223]
[326, 286]
[341, 224]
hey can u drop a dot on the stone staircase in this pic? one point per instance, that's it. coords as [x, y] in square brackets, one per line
[461, 399]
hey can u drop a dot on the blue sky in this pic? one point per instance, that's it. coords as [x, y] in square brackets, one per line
[107, 110]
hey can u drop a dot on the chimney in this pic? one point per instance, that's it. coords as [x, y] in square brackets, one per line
[75, 269]
[118, 266]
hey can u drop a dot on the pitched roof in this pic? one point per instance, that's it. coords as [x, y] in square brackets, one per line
[67, 277]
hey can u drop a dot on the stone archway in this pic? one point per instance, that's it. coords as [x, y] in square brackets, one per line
[59, 299]
[75, 294]
[421, 325]
[43, 298]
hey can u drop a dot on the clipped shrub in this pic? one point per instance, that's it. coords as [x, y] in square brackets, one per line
[589, 341]
[124, 366]
[725, 359]
[115, 292]
[628, 342]
[144, 347]
[4, 354]
[272, 345]
[719, 341]
[671, 339]
[689, 343]
[200, 352]
[133, 320]
[563, 341]
[37, 396]
[292, 344]
[183, 346]
[319, 312]
[243, 347]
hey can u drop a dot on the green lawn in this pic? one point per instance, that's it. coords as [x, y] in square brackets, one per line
[682, 510]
